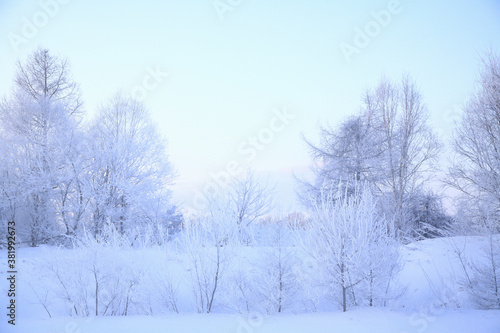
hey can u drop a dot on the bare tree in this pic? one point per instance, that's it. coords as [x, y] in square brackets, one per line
[476, 168]
[46, 78]
[251, 200]
[409, 147]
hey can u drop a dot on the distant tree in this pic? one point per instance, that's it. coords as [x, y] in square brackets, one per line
[297, 220]
[345, 153]
[250, 199]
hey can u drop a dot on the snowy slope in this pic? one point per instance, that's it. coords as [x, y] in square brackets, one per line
[432, 270]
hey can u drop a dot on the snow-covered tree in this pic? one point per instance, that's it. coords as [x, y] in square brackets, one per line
[476, 174]
[427, 215]
[388, 145]
[209, 243]
[276, 281]
[40, 119]
[479, 275]
[10, 193]
[408, 146]
[476, 168]
[130, 169]
[485, 276]
[345, 153]
[250, 199]
[95, 277]
[354, 248]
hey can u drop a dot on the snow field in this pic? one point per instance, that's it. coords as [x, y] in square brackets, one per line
[433, 301]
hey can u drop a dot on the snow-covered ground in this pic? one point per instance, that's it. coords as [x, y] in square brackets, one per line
[431, 302]
[358, 320]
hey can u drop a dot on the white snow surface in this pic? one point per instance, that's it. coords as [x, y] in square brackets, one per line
[358, 320]
[432, 302]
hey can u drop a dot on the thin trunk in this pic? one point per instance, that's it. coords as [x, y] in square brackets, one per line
[216, 280]
[342, 279]
[494, 268]
[96, 293]
[280, 275]
[371, 287]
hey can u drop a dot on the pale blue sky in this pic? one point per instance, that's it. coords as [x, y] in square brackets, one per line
[226, 76]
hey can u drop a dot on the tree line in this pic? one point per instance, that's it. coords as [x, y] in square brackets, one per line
[102, 185]
[61, 174]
